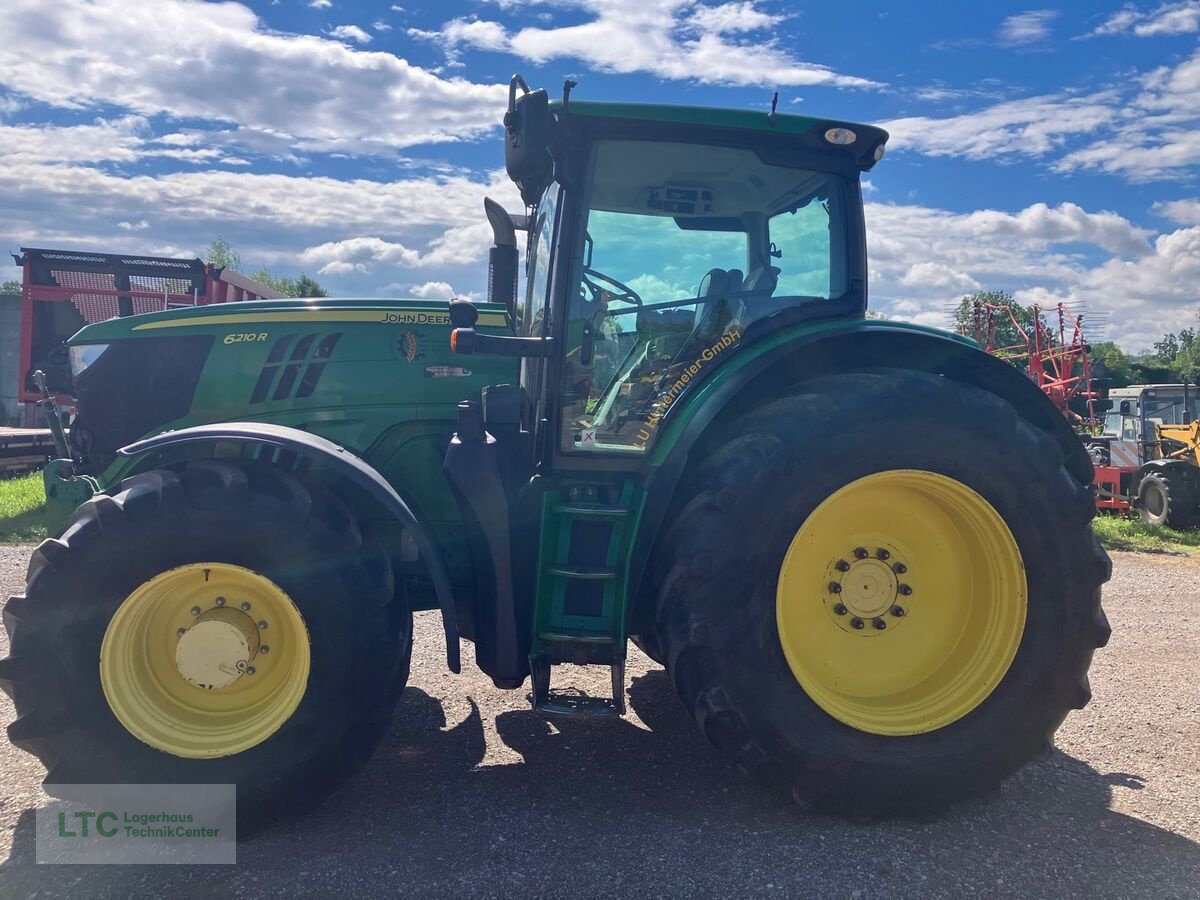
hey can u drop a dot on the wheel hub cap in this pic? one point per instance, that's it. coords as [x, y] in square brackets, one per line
[868, 591]
[217, 650]
[901, 602]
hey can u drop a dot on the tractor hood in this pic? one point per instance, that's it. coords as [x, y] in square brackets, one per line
[347, 369]
[231, 319]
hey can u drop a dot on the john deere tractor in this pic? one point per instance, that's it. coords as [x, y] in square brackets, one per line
[861, 548]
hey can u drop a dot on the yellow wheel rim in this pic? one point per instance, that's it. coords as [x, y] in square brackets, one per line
[205, 660]
[901, 602]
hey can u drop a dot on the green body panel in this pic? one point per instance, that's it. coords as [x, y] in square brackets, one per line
[377, 394]
[690, 405]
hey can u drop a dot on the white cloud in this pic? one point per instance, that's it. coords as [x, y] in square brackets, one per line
[217, 61]
[1166, 19]
[350, 33]
[923, 260]
[1032, 126]
[433, 290]
[320, 4]
[1145, 128]
[1029, 27]
[1183, 212]
[1146, 297]
[674, 39]
[380, 25]
[459, 246]
[728, 18]
[938, 275]
[1156, 134]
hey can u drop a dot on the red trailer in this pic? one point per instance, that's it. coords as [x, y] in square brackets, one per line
[63, 290]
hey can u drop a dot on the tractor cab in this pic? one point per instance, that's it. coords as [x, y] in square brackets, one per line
[1139, 410]
[661, 243]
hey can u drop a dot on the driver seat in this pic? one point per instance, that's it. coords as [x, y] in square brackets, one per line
[713, 293]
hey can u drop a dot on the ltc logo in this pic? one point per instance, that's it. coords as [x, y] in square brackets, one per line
[412, 345]
[294, 364]
[84, 819]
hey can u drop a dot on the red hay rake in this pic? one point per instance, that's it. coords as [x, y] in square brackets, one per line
[1056, 360]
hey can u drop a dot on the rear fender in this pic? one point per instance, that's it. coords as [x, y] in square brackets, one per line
[775, 363]
[231, 439]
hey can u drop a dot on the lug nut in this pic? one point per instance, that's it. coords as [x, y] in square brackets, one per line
[220, 601]
[181, 632]
[840, 609]
[842, 566]
[245, 607]
[897, 611]
[880, 624]
[904, 589]
[899, 568]
[881, 553]
[249, 670]
[834, 587]
[264, 649]
[195, 610]
[262, 626]
[861, 553]
[856, 622]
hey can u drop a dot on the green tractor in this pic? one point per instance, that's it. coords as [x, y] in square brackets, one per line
[861, 548]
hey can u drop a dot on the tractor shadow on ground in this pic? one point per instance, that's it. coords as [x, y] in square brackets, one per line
[591, 807]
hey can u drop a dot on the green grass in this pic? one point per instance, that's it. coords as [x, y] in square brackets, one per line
[21, 502]
[1118, 533]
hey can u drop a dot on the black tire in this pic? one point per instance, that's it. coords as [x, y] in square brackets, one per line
[302, 538]
[648, 644]
[719, 564]
[1166, 500]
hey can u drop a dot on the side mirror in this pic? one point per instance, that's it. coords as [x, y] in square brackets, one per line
[1126, 408]
[527, 140]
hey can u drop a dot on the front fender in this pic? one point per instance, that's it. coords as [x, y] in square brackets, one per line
[338, 460]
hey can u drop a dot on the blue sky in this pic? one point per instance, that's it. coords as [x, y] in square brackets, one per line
[1050, 151]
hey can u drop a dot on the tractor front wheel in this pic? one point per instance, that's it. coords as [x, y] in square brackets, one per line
[882, 593]
[223, 624]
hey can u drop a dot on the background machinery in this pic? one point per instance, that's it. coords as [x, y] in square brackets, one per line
[861, 548]
[1146, 454]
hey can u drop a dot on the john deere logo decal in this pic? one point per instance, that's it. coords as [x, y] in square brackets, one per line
[412, 345]
[300, 370]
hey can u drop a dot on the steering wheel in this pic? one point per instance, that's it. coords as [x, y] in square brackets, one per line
[623, 292]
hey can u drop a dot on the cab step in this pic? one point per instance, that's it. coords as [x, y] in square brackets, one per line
[574, 702]
[581, 607]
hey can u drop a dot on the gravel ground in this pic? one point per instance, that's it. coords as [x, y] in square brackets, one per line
[473, 795]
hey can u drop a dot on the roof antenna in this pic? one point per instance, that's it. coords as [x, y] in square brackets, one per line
[772, 116]
[567, 87]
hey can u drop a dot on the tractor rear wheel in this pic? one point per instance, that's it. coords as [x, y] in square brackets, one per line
[221, 624]
[1166, 500]
[882, 614]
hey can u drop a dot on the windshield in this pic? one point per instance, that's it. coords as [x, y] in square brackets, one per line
[1167, 409]
[685, 246]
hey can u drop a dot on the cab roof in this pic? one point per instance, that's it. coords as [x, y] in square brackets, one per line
[865, 146]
